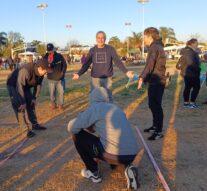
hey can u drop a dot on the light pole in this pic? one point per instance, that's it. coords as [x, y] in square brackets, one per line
[143, 2]
[43, 7]
[69, 27]
[127, 24]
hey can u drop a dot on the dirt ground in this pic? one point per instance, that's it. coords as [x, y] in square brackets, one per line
[49, 162]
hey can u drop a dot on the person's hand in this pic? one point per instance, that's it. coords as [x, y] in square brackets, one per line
[34, 102]
[75, 76]
[140, 83]
[22, 107]
[130, 74]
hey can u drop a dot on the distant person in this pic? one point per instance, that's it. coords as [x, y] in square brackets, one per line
[102, 132]
[10, 63]
[154, 75]
[102, 56]
[189, 64]
[83, 58]
[19, 85]
[56, 79]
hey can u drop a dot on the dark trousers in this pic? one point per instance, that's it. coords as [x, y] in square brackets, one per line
[14, 97]
[155, 94]
[191, 83]
[90, 147]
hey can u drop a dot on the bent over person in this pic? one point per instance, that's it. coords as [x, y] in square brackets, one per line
[19, 85]
[103, 132]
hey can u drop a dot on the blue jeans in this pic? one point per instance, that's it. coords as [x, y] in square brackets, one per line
[103, 82]
[56, 89]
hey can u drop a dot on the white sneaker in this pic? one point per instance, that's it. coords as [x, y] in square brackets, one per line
[95, 177]
[131, 174]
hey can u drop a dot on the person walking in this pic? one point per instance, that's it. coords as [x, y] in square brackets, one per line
[19, 85]
[189, 64]
[102, 132]
[102, 57]
[154, 75]
[56, 79]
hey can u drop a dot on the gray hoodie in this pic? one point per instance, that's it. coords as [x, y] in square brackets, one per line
[109, 122]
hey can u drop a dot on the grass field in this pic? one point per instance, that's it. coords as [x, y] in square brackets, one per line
[49, 161]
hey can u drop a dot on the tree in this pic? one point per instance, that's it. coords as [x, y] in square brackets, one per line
[3, 38]
[3, 42]
[41, 49]
[136, 40]
[115, 42]
[15, 39]
[168, 35]
[35, 43]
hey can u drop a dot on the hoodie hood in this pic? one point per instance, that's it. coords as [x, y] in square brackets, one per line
[99, 95]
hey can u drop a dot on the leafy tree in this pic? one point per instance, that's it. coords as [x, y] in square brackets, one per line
[136, 40]
[41, 49]
[115, 42]
[3, 38]
[168, 35]
[35, 43]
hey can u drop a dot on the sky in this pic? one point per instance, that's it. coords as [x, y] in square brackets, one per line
[186, 17]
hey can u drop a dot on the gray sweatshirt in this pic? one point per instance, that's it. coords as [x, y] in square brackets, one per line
[109, 122]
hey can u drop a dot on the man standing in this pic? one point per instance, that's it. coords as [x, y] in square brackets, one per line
[189, 64]
[56, 79]
[154, 74]
[102, 57]
[114, 140]
[19, 85]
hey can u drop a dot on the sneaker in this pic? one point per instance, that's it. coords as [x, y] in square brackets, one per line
[192, 106]
[94, 177]
[131, 174]
[38, 127]
[155, 136]
[30, 134]
[186, 104]
[150, 130]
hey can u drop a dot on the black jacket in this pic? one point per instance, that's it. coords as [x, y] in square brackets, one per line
[189, 63]
[59, 67]
[24, 78]
[154, 71]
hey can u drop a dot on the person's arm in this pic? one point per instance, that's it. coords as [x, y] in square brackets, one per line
[149, 67]
[37, 88]
[87, 63]
[21, 82]
[64, 65]
[83, 121]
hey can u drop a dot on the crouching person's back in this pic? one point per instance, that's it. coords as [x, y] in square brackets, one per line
[102, 132]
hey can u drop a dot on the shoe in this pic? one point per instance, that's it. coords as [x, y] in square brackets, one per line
[131, 174]
[94, 177]
[38, 127]
[192, 106]
[52, 105]
[186, 104]
[30, 134]
[150, 130]
[155, 136]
